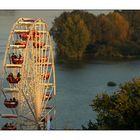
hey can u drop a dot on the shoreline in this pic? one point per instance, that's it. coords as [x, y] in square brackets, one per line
[91, 59]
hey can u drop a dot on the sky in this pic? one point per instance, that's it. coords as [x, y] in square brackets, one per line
[10, 16]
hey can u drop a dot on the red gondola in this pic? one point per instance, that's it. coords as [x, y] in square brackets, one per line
[17, 60]
[11, 103]
[48, 96]
[9, 116]
[11, 79]
[24, 36]
[28, 20]
[46, 64]
[46, 76]
[49, 107]
[42, 59]
[21, 43]
[35, 34]
[38, 45]
[9, 127]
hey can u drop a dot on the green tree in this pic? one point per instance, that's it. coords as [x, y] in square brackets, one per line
[118, 111]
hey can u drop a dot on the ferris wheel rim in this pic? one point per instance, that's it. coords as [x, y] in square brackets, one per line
[26, 47]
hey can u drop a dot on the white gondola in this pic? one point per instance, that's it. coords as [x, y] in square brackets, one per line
[23, 31]
[10, 90]
[18, 46]
[13, 66]
[47, 84]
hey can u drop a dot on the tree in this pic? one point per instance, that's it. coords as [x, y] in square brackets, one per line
[90, 21]
[118, 111]
[71, 35]
[133, 17]
[78, 32]
[121, 29]
[107, 52]
[104, 30]
[112, 27]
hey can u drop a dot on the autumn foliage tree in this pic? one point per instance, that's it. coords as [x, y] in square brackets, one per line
[78, 33]
[112, 27]
[90, 21]
[121, 26]
[104, 30]
[72, 37]
[133, 18]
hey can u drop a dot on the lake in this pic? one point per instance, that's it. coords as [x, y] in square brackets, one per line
[77, 83]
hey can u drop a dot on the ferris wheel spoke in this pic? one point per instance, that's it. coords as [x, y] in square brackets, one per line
[27, 118]
[29, 105]
[44, 103]
[3, 93]
[45, 115]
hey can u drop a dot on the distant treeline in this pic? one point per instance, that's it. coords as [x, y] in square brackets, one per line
[79, 33]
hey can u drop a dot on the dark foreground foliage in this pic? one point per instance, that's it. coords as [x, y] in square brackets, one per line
[120, 111]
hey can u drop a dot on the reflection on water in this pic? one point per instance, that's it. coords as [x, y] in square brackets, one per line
[77, 83]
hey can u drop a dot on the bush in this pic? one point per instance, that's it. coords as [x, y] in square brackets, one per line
[120, 111]
[130, 49]
[107, 51]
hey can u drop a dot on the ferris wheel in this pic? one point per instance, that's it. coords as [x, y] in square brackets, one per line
[28, 77]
